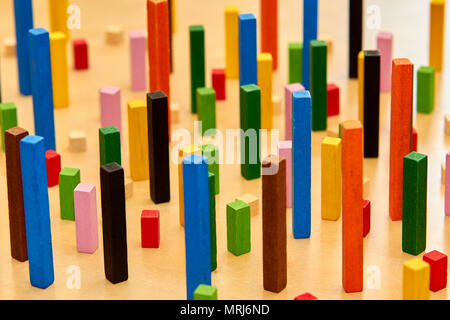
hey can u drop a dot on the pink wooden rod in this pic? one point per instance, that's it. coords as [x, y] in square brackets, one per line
[138, 47]
[384, 45]
[86, 218]
[110, 107]
[285, 151]
[289, 90]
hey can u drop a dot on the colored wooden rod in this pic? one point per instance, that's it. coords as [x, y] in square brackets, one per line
[159, 47]
[218, 80]
[248, 69]
[69, 179]
[425, 90]
[17, 230]
[41, 84]
[437, 34]
[331, 178]
[109, 143]
[206, 109]
[80, 54]
[355, 35]
[114, 222]
[204, 292]
[250, 118]
[138, 43]
[319, 93]
[371, 103]
[288, 91]
[183, 152]
[269, 29]
[85, 200]
[53, 161]
[158, 146]
[438, 269]
[265, 83]
[197, 224]
[37, 211]
[361, 86]
[60, 69]
[301, 164]
[150, 229]
[58, 16]
[414, 227]
[138, 140]
[232, 42]
[211, 152]
[274, 224]
[110, 107]
[384, 45]
[310, 25]
[238, 228]
[295, 62]
[285, 151]
[23, 15]
[197, 55]
[447, 184]
[352, 206]
[212, 220]
[8, 119]
[416, 280]
[401, 131]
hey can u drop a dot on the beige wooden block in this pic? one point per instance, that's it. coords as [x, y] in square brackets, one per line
[443, 172]
[9, 47]
[252, 201]
[276, 101]
[128, 188]
[447, 124]
[174, 112]
[366, 188]
[114, 34]
[77, 141]
[333, 132]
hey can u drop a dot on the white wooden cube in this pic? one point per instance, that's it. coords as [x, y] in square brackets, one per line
[77, 141]
[9, 47]
[114, 34]
[252, 201]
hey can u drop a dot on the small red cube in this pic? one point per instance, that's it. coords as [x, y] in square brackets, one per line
[438, 269]
[414, 139]
[219, 84]
[53, 161]
[150, 228]
[366, 218]
[306, 296]
[333, 99]
[80, 54]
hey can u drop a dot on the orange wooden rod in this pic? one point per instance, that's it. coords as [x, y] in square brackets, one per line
[401, 131]
[269, 29]
[352, 206]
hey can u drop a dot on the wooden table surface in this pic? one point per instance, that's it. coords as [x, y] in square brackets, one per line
[314, 265]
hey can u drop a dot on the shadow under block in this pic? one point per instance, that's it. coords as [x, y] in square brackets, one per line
[212, 220]
[204, 292]
[17, 230]
[416, 280]
[352, 206]
[8, 119]
[206, 110]
[69, 179]
[37, 211]
[158, 33]
[197, 56]
[110, 107]
[285, 151]
[301, 164]
[23, 16]
[53, 161]
[401, 128]
[274, 224]
[158, 146]
[109, 142]
[183, 152]
[138, 140]
[248, 66]
[41, 85]
[150, 229]
[232, 42]
[310, 26]
[265, 83]
[438, 269]
[331, 178]
[333, 100]
[437, 34]
[60, 69]
[269, 29]
[211, 152]
[318, 84]
[250, 119]
[295, 52]
[371, 103]
[197, 224]
[252, 201]
[366, 217]
[218, 81]
[85, 200]
[138, 50]
[425, 89]
[288, 91]
[384, 45]
[80, 54]
[114, 222]
[355, 35]
[58, 16]
[238, 228]
[414, 227]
